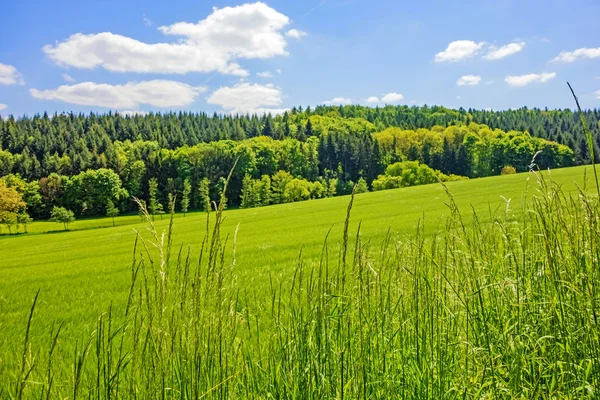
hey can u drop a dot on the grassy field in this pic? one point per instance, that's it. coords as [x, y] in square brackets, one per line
[80, 273]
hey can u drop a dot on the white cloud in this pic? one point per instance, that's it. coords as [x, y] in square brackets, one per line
[2, 107]
[392, 97]
[497, 53]
[147, 21]
[373, 100]
[68, 78]
[278, 71]
[489, 82]
[132, 113]
[9, 75]
[213, 44]
[338, 101]
[468, 80]
[158, 93]
[570, 56]
[597, 93]
[459, 50]
[248, 98]
[265, 74]
[296, 34]
[522, 80]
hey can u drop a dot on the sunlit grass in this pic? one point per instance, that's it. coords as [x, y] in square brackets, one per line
[441, 305]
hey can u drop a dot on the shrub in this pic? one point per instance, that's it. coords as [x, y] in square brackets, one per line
[508, 170]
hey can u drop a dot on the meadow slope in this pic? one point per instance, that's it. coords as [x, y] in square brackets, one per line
[82, 271]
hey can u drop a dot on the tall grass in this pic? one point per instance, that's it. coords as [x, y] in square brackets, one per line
[502, 310]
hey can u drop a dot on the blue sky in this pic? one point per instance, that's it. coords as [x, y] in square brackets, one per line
[140, 56]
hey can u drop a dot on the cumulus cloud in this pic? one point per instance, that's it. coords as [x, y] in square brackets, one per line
[9, 75]
[338, 101]
[392, 97]
[373, 100]
[497, 53]
[68, 78]
[459, 50]
[296, 34]
[523, 80]
[265, 74]
[246, 98]
[571, 56]
[248, 31]
[2, 107]
[468, 80]
[158, 93]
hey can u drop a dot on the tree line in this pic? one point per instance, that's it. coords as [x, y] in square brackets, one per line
[338, 153]
[71, 143]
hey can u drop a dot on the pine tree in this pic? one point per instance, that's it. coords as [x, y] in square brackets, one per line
[185, 196]
[154, 207]
[204, 191]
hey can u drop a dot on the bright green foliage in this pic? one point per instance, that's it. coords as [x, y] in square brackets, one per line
[90, 190]
[62, 215]
[29, 191]
[11, 204]
[185, 196]
[154, 206]
[204, 192]
[385, 182]
[9, 219]
[361, 186]
[410, 173]
[473, 150]
[279, 182]
[111, 210]
[318, 145]
[264, 190]
[256, 192]
[296, 190]
[250, 196]
[24, 219]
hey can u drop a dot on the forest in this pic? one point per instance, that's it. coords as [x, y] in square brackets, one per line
[96, 164]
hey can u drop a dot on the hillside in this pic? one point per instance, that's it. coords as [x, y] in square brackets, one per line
[81, 271]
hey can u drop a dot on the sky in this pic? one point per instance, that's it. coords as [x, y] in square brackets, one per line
[244, 57]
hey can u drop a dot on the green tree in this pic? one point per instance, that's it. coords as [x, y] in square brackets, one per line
[24, 219]
[204, 192]
[185, 196]
[11, 203]
[111, 210]
[154, 206]
[62, 215]
[250, 196]
[361, 186]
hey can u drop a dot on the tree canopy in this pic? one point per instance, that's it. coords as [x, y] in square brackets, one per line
[81, 162]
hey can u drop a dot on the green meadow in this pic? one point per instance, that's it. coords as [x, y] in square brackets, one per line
[83, 272]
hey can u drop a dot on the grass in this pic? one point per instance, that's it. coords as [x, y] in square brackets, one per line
[473, 302]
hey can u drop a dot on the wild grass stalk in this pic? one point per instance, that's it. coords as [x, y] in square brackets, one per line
[507, 309]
